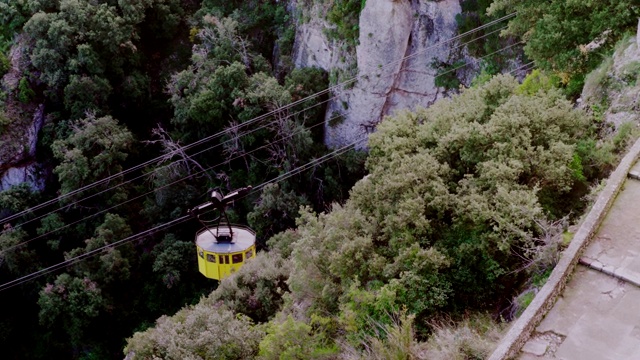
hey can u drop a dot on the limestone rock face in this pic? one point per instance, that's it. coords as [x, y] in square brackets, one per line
[22, 174]
[617, 83]
[390, 30]
[312, 48]
[398, 43]
[19, 138]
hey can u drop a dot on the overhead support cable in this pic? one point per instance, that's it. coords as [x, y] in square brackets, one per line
[247, 123]
[169, 224]
[201, 171]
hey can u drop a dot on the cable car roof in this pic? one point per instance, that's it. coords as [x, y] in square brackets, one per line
[243, 238]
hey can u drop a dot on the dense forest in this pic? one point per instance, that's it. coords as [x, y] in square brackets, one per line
[429, 231]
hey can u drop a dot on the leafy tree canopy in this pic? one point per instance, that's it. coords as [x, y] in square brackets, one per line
[556, 32]
[93, 151]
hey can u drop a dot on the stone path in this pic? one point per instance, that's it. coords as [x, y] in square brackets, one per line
[598, 315]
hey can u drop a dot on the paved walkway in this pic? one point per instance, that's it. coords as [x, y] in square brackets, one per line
[598, 315]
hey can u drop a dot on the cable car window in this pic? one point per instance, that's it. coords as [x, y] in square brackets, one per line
[201, 253]
[236, 258]
[224, 259]
[248, 254]
[211, 258]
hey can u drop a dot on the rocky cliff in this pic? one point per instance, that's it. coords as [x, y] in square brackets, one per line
[399, 40]
[614, 87]
[19, 135]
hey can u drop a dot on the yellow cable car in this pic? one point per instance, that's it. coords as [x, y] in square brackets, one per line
[223, 248]
[217, 257]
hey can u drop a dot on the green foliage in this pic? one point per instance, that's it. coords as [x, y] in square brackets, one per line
[557, 32]
[416, 284]
[71, 301]
[345, 15]
[393, 341]
[481, 78]
[263, 22]
[451, 208]
[536, 81]
[13, 15]
[85, 95]
[50, 224]
[94, 150]
[25, 93]
[524, 300]
[16, 259]
[17, 198]
[283, 242]
[483, 40]
[211, 94]
[5, 64]
[200, 332]
[5, 121]
[275, 211]
[474, 337]
[453, 192]
[446, 76]
[304, 82]
[113, 265]
[256, 290]
[173, 258]
[81, 50]
[624, 136]
[290, 339]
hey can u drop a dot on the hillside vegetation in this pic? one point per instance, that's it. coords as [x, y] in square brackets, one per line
[414, 248]
[122, 82]
[459, 199]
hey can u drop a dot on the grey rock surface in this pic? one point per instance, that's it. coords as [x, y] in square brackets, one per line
[390, 30]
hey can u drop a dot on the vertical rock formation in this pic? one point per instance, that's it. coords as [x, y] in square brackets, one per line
[19, 138]
[615, 84]
[399, 40]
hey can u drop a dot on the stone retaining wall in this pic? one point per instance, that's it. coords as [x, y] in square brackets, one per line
[522, 328]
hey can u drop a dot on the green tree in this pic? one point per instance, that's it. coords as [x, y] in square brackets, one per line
[199, 332]
[14, 258]
[173, 259]
[85, 95]
[73, 302]
[556, 32]
[275, 211]
[113, 265]
[94, 150]
[290, 339]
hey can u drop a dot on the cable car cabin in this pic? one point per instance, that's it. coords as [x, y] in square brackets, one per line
[223, 249]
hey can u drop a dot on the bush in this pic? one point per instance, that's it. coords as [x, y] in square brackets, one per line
[5, 121]
[291, 339]
[25, 93]
[392, 341]
[257, 289]
[200, 332]
[5, 64]
[474, 337]
[345, 14]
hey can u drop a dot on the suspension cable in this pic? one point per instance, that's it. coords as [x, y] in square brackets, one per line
[197, 173]
[166, 225]
[238, 126]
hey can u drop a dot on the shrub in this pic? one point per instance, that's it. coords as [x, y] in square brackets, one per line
[473, 338]
[25, 93]
[257, 289]
[199, 332]
[345, 14]
[5, 65]
[291, 339]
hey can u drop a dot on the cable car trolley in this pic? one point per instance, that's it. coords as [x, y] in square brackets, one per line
[222, 247]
